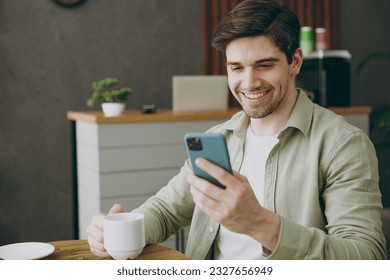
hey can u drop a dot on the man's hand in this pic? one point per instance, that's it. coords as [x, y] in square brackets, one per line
[235, 207]
[95, 231]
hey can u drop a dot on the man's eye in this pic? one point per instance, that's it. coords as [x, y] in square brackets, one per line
[235, 69]
[264, 66]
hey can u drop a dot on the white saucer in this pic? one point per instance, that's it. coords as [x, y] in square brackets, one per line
[26, 251]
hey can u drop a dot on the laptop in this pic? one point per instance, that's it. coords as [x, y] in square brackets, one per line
[200, 93]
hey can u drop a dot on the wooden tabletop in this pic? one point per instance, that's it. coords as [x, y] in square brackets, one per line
[79, 250]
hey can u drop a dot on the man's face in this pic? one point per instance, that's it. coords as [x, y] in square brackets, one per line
[259, 75]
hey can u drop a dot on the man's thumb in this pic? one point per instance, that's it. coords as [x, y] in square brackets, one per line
[117, 208]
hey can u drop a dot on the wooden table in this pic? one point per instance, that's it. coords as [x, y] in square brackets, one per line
[79, 250]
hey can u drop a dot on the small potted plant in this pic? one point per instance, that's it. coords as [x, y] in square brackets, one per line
[112, 100]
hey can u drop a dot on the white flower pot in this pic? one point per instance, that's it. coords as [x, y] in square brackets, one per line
[113, 109]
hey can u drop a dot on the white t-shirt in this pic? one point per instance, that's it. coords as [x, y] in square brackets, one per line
[230, 245]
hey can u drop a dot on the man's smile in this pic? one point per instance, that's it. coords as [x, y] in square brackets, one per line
[255, 94]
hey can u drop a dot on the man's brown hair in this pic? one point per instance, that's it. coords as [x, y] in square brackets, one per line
[260, 17]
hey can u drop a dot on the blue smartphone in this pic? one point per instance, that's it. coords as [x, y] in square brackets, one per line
[211, 146]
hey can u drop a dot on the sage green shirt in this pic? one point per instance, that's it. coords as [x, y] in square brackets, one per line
[321, 178]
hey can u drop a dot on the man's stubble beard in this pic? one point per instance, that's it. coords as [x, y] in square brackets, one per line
[268, 109]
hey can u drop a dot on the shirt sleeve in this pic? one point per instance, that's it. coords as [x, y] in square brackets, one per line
[169, 210]
[352, 203]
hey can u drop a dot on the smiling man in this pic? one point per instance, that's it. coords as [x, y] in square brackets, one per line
[305, 184]
[262, 81]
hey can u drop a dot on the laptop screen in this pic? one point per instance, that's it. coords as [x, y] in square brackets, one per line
[200, 93]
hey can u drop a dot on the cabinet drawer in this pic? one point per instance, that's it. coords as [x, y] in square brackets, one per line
[124, 183]
[131, 158]
[136, 134]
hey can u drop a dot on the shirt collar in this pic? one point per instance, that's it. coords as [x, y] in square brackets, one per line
[238, 124]
[301, 117]
[302, 114]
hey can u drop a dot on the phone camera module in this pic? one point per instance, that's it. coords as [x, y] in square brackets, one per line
[194, 144]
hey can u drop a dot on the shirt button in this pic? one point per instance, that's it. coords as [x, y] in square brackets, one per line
[211, 229]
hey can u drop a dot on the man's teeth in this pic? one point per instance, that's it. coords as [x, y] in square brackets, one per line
[254, 95]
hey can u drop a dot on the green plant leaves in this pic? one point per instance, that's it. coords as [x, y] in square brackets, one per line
[372, 56]
[114, 95]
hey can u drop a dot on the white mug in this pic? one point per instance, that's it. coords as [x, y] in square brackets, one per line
[124, 235]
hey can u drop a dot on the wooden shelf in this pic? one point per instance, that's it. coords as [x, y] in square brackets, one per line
[351, 110]
[133, 116]
[159, 116]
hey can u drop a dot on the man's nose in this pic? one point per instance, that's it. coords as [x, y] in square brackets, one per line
[250, 80]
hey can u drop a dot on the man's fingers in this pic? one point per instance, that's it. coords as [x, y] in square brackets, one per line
[116, 208]
[224, 177]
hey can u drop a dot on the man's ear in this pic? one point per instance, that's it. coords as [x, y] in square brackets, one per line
[297, 61]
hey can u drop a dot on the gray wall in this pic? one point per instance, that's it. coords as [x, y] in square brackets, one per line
[364, 29]
[50, 55]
